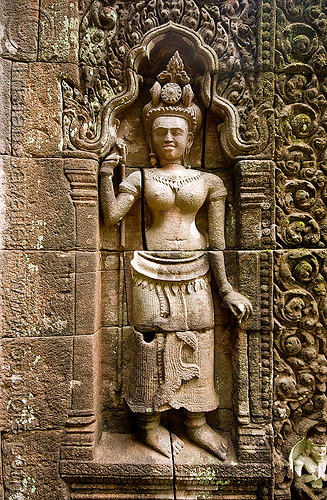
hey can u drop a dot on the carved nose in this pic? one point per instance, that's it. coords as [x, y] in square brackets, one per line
[168, 137]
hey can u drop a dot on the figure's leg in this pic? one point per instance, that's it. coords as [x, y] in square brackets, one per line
[203, 435]
[153, 434]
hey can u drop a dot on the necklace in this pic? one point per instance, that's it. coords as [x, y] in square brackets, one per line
[172, 181]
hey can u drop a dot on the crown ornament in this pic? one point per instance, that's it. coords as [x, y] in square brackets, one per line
[172, 95]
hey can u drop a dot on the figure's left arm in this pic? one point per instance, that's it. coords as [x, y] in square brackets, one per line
[239, 305]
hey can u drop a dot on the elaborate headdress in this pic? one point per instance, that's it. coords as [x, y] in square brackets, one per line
[172, 95]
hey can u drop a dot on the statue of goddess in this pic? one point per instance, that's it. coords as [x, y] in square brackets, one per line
[173, 313]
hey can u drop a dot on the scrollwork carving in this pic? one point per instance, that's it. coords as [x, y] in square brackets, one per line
[110, 30]
[301, 125]
[300, 352]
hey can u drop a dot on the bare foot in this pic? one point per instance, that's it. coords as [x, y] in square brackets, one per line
[209, 440]
[159, 439]
[178, 444]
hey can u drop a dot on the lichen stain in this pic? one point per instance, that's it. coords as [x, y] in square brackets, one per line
[26, 489]
[67, 37]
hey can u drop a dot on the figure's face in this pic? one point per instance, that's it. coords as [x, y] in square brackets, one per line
[318, 452]
[170, 138]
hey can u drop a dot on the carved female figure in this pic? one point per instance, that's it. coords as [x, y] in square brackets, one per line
[173, 314]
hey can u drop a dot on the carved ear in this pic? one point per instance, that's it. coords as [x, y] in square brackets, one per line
[113, 126]
[155, 94]
[187, 95]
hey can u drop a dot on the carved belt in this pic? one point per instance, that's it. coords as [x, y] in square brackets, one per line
[159, 267]
[156, 271]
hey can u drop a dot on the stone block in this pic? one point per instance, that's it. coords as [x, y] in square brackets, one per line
[88, 302]
[223, 380]
[133, 228]
[38, 294]
[37, 108]
[58, 32]
[87, 226]
[88, 292]
[30, 466]
[39, 211]
[87, 262]
[5, 106]
[86, 375]
[112, 284]
[19, 37]
[213, 154]
[110, 346]
[36, 378]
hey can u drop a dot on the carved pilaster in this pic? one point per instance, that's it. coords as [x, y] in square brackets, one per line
[255, 195]
[252, 362]
[81, 426]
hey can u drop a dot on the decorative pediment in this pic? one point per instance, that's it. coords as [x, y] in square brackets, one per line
[120, 42]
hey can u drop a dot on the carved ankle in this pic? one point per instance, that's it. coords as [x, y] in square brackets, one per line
[148, 422]
[194, 420]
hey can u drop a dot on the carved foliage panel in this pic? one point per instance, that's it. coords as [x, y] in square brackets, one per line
[301, 111]
[107, 33]
[301, 186]
[300, 351]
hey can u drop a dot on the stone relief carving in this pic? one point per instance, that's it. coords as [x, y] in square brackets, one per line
[310, 464]
[301, 125]
[300, 399]
[174, 337]
[300, 357]
[111, 31]
[119, 42]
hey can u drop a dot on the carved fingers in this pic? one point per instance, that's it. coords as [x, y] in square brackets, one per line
[240, 306]
[110, 164]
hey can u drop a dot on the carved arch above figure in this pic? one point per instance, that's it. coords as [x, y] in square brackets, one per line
[90, 118]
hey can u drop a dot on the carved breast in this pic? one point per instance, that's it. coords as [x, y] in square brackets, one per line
[162, 192]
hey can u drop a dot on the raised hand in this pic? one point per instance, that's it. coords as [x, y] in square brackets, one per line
[109, 164]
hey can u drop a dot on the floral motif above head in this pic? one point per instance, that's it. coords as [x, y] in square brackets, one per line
[172, 95]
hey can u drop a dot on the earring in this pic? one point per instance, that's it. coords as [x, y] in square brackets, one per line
[153, 159]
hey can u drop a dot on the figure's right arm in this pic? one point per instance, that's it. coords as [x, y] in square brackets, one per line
[115, 208]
